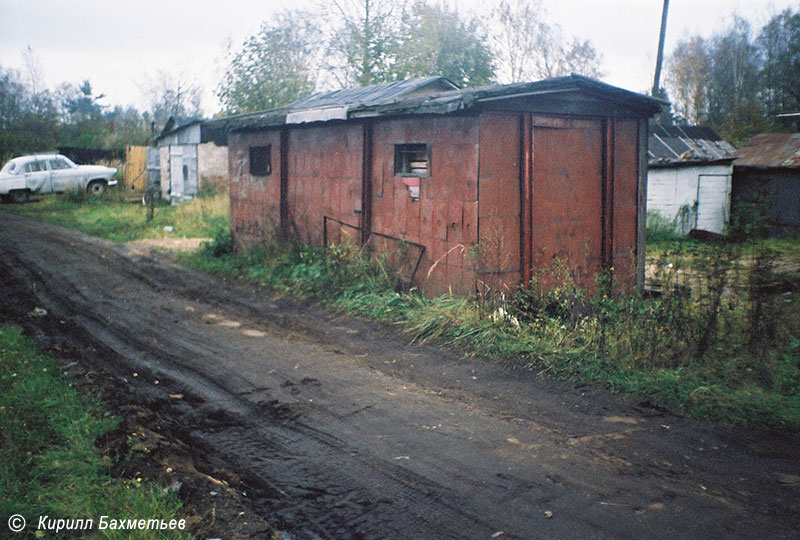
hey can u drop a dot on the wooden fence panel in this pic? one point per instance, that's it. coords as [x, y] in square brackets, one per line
[136, 167]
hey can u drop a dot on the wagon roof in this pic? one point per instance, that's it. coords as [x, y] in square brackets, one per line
[431, 95]
[376, 94]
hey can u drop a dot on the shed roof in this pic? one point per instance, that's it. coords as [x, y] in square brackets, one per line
[210, 130]
[770, 150]
[177, 123]
[370, 96]
[681, 145]
[425, 96]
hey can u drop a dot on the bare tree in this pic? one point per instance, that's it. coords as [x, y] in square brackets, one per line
[518, 41]
[530, 47]
[172, 93]
[34, 73]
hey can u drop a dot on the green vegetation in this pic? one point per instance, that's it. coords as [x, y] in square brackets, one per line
[721, 340]
[49, 464]
[118, 219]
[717, 343]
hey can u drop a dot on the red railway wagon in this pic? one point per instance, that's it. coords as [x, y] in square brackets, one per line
[485, 187]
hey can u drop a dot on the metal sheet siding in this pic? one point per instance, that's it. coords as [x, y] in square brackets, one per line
[525, 189]
[567, 197]
[255, 201]
[445, 218]
[499, 203]
[625, 203]
[324, 179]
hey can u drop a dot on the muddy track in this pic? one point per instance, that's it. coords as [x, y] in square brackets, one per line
[341, 429]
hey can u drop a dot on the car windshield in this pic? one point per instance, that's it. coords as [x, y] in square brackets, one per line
[9, 168]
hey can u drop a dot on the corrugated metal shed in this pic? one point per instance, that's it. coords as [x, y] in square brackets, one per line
[770, 150]
[669, 145]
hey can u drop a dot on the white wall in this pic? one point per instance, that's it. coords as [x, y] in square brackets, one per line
[212, 163]
[704, 190]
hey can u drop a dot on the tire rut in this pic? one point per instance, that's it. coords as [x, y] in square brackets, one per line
[342, 431]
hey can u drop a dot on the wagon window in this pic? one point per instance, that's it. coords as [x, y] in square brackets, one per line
[260, 162]
[411, 159]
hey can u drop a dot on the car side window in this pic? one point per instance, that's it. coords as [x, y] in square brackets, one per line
[58, 164]
[33, 166]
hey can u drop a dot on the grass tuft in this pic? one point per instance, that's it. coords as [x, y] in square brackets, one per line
[49, 464]
[716, 344]
[115, 217]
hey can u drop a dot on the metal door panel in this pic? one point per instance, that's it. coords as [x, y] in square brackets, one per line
[567, 196]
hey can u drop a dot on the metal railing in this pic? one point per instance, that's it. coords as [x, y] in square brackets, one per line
[370, 234]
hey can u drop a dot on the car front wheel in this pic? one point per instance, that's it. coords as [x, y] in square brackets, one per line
[96, 187]
[19, 196]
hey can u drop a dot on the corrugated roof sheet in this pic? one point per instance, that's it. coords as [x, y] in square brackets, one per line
[425, 96]
[670, 145]
[453, 100]
[375, 95]
[769, 150]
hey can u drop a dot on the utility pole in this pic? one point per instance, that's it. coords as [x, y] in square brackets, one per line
[660, 56]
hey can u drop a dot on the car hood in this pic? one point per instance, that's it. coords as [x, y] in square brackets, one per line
[97, 169]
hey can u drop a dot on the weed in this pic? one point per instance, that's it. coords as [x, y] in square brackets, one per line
[49, 464]
[660, 229]
[688, 349]
[117, 219]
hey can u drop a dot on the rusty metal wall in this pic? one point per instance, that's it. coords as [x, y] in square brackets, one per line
[445, 218]
[580, 200]
[499, 203]
[567, 197]
[255, 200]
[625, 200]
[324, 179]
[551, 188]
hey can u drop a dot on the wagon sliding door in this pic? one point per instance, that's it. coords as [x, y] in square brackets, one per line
[566, 198]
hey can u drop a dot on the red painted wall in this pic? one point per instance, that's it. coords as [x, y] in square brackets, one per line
[499, 203]
[255, 201]
[581, 177]
[325, 164]
[445, 218]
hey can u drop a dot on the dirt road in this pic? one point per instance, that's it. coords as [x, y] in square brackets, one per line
[341, 429]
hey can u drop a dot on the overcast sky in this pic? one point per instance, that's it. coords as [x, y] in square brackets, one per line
[118, 45]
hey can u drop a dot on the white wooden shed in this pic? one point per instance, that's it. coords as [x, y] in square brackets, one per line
[689, 177]
[193, 154]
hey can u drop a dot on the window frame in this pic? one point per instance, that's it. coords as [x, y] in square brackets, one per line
[251, 159]
[402, 162]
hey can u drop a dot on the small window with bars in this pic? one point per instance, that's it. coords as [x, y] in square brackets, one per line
[411, 160]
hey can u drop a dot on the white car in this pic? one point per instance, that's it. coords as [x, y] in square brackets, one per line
[51, 173]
